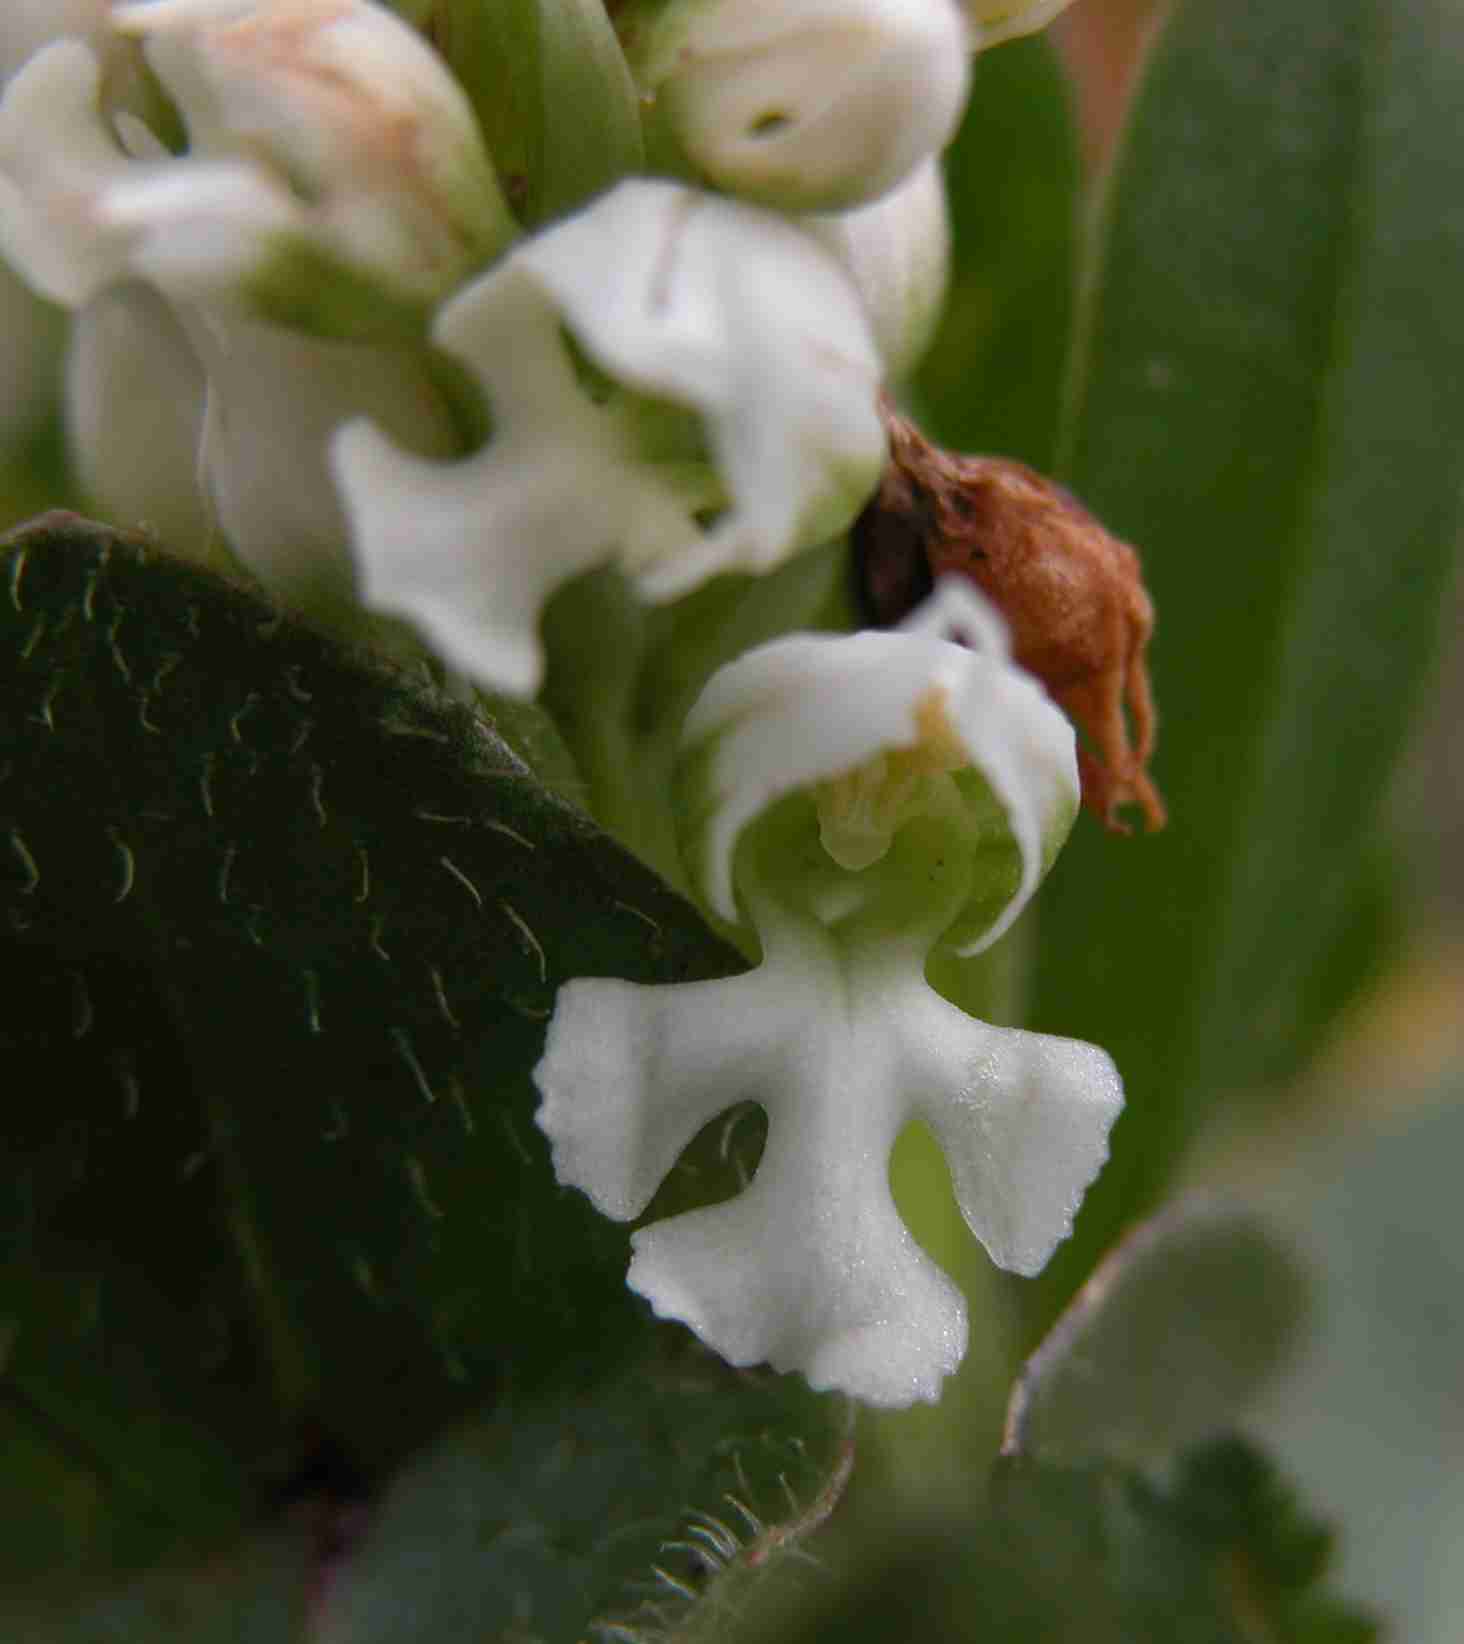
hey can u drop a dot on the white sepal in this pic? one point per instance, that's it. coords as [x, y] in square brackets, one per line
[728, 316]
[897, 252]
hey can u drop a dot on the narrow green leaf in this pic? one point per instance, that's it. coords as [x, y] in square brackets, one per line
[282, 934]
[991, 379]
[1168, 1343]
[1269, 401]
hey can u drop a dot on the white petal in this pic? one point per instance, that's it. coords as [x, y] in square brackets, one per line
[809, 105]
[1023, 1119]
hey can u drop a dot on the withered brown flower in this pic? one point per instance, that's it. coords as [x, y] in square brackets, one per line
[1072, 594]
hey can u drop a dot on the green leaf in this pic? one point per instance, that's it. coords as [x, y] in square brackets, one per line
[1269, 401]
[1171, 1339]
[991, 379]
[1218, 1552]
[283, 931]
[552, 92]
[618, 1506]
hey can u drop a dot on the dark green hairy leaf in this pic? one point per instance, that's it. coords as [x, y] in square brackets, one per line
[282, 932]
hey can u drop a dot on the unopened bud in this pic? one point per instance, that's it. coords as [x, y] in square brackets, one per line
[806, 105]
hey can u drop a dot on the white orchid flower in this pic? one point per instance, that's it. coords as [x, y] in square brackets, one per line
[334, 174]
[807, 105]
[857, 801]
[731, 420]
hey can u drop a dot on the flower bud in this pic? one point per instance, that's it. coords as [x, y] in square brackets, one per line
[807, 105]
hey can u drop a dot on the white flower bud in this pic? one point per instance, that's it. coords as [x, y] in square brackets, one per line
[808, 105]
[881, 794]
[897, 252]
[738, 425]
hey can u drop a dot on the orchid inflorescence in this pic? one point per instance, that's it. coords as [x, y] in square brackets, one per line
[581, 392]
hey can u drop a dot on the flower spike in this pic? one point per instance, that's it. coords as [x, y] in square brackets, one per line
[856, 801]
